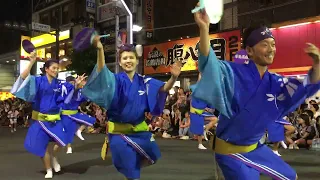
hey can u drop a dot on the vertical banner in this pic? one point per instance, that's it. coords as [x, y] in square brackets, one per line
[149, 18]
[159, 57]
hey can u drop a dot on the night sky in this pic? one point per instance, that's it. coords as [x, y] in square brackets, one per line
[18, 10]
[13, 11]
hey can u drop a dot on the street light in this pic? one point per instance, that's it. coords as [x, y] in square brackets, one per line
[136, 28]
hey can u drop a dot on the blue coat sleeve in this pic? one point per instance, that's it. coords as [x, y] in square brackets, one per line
[156, 98]
[100, 87]
[25, 89]
[294, 93]
[216, 86]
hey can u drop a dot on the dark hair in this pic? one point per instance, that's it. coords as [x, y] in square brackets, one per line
[306, 118]
[70, 78]
[303, 106]
[247, 31]
[315, 106]
[127, 48]
[47, 64]
[309, 112]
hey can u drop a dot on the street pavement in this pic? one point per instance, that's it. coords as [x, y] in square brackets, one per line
[181, 160]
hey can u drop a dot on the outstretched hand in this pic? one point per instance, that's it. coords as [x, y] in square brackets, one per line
[33, 56]
[202, 19]
[313, 52]
[97, 43]
[176, 69]
[79, 80]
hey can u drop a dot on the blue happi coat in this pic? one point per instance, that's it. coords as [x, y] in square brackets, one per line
[247, 104]
[126, 102]
[46, 100]
[197, 116]
[70, 116]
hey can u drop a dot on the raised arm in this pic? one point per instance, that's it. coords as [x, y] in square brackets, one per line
[101, 84]
[314, 53]
[216, 86]
[26, 72]
[25, 86]
[295, 92]
[100, 53]
[175, 72]
[203, 22]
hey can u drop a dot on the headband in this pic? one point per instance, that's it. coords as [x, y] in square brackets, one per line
[258, 35]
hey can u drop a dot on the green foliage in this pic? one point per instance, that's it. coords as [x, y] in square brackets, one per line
[84, 61]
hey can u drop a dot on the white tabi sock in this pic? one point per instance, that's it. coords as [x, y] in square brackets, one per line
[69, 151]
[283, 145]
[78, 133]
[56, 165]
[49, 174]
[200, 146]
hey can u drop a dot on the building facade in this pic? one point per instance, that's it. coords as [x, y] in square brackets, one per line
[66, 16]
[106, 24]
[275, 11]
[171, 34]
[8, 69]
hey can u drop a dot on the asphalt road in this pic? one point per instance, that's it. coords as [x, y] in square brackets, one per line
[181, 160]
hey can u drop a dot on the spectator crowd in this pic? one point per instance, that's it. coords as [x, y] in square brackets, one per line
[174, 122]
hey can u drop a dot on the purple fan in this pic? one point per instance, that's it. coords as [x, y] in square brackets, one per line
[84, 38]
[28, 46]
[241, 57]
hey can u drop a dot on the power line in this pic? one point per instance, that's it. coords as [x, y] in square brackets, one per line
[169, 27]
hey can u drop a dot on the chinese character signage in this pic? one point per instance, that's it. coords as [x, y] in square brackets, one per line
[149, 18]
[159, 57]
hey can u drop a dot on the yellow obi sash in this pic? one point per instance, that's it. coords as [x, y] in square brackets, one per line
[69, 112]
[124, 128]
[196, 111]
[45, 117]
[223, 147]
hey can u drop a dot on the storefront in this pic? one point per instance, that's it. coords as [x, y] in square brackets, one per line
[46, 47]
[159, 57]
[291, 38]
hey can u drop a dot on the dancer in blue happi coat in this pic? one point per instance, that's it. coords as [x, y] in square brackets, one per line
[199, 116]
[248, 98]
[45, 94]
[127, 96]
[279, 132]
[73, 121]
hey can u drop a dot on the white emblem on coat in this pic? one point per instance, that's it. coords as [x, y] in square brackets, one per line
[141, 92]
[291, 87]
[146, 80]
[274, 98]
[64, 90]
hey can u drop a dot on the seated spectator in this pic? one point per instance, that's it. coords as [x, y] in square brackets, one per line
[184, 126]
[306, 133]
